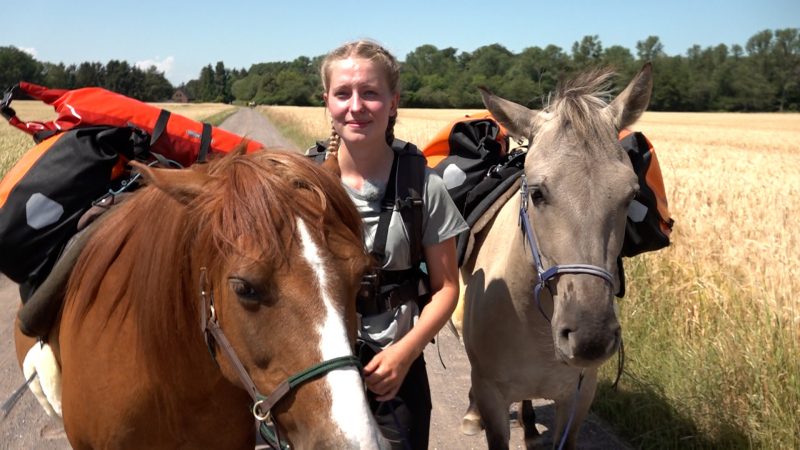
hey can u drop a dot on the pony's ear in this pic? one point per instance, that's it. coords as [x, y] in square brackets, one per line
[632, 102]
[183, 185]
[517, 119]
[331, 164]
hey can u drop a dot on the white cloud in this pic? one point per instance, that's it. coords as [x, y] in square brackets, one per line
[29, 50]
[165, 65]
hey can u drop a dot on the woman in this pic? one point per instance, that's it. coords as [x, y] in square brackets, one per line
[361, 94]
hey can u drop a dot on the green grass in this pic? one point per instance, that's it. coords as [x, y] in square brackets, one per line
[291, 130]
[218, 118]
[729, 377]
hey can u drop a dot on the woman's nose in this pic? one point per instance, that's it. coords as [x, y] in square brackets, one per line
[356, 104]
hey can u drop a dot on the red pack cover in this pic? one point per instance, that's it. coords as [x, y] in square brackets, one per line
[93, 106]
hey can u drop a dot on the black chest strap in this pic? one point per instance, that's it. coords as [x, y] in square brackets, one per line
[385, 216]
[404, 191]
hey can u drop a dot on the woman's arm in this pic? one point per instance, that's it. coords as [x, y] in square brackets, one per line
[386, 371]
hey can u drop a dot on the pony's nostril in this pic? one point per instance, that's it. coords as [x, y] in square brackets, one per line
[564, 333]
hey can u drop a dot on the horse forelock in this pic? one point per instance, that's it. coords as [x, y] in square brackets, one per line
[258, 197]
[147, 241]
[578, 107]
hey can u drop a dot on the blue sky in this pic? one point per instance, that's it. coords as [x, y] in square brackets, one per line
[181, 36]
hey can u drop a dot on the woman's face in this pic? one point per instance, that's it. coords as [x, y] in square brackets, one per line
[360, 101]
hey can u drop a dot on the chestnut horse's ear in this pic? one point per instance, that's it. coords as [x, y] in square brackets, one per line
[632, 102]
[517, 119]
[331, 164]
[183, 185]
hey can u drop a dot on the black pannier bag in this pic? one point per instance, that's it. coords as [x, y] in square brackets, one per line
[44, 195]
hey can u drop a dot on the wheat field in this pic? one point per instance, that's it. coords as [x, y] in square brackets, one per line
[711, 323]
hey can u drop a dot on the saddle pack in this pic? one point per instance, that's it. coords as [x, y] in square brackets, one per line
[79, 158]
[472, 155]
[181, 139]
[382, 290]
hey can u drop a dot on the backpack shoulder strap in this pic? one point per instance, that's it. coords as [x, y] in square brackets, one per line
[410, 191]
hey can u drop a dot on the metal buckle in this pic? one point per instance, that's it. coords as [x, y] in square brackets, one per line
[261, 417]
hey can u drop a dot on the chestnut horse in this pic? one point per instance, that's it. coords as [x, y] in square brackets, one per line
[218, 293]
[538, 302]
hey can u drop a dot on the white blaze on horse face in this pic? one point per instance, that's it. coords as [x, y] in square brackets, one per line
[352, 416]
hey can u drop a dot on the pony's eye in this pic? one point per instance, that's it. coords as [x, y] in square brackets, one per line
[243, 289]
[537, 196]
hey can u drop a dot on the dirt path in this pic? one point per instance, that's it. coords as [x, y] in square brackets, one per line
[27, 427]
[248, 122]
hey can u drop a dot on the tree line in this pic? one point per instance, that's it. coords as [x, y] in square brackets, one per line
[118, 76]
[764, 75]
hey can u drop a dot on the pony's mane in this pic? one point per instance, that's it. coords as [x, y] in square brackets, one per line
[578, 103]
[254, 196]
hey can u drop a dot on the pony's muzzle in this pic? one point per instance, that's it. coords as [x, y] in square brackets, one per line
[584, 348]
[585, 328]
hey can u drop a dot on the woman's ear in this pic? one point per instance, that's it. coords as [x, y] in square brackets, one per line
[394, 105]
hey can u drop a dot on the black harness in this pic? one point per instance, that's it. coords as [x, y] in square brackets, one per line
[382, 290]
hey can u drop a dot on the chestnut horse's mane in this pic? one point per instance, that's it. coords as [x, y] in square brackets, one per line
[254, 196]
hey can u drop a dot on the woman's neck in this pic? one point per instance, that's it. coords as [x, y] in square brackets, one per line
[359, 163]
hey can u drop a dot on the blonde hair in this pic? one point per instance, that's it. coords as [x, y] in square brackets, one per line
[371, 51]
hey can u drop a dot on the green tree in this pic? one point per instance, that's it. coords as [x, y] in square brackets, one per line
[649, 49]
[542, 67]
[245, 88]
[671, 81]
[90, 74]
[426, 77]
[206, 87]
[587, 52]
[786, 68]
[222, 84]
[16, 66]
[58, 75]
[156, 86]
[490, 61]
[292, 89]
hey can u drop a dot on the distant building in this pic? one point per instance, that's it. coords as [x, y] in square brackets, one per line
[180, 96]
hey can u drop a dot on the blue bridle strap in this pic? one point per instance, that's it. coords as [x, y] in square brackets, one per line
[559, 269]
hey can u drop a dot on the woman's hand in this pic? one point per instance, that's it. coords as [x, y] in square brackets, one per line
[385, 372]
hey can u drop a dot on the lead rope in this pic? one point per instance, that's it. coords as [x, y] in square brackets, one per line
[571, 413]
[12, 400]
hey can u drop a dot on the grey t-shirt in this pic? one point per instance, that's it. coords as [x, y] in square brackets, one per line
[441, 221]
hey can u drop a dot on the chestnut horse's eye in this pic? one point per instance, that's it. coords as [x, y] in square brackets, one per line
[244, 290]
